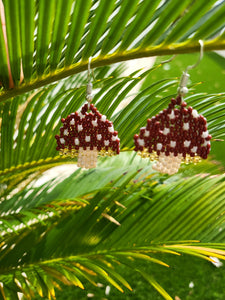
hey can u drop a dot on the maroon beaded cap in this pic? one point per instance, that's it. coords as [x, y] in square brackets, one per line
[88, 130]
[177, 131]
[87, 135]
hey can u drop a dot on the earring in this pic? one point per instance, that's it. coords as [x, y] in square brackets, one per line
[87, 133]
[175, 135]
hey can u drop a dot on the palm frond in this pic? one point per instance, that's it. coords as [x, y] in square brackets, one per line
[95, 245]
[85, 225]
[64, 39]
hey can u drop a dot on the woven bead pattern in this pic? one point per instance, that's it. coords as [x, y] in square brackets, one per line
[177, 132]
[87, 131]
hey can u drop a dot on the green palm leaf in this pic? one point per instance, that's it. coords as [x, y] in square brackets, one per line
[95, 243]
[84, 225]
[129, 33]
[24, 219]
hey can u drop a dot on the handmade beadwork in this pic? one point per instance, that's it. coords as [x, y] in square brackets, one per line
[177, 134]
[87, 135]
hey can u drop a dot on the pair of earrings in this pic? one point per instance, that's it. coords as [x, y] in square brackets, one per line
[175, 135]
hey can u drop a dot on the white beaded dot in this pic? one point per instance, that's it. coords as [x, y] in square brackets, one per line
[99, 137]
[111, 129]
[166, 131]
[172, 144]
[159, 146]
[186, 126]
[194, 149]
[94, 123]
[114, 138]
[103, 118]
[195, 113]
[81, 115]
[205, 134]
[66, 132]
[141, 142]
[87, 138]
[79, 128]
[171, 115]
[187, 143]
[206, 143]
[147, 133]
[72, 122]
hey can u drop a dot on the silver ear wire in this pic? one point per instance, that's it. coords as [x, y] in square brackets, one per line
[89, 68]
[89, 96]
[200, 57]
[182, 89]
[168, 60]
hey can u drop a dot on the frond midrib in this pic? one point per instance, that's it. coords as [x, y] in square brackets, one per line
[159, 50]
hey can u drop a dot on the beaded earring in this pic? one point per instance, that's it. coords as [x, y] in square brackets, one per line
[175, 135]
[87, 133]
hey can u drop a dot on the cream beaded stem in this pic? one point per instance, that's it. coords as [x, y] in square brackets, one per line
[87, 133]
[177, 134]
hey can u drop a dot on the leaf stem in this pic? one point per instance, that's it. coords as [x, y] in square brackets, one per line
[159, 50]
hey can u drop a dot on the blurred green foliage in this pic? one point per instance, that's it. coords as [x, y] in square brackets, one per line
[208, 283]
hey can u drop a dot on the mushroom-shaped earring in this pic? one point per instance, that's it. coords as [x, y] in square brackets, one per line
[177, 134]
[87, 134]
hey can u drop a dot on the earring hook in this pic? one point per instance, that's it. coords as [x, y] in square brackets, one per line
[90, 71]
[200, 56]
[182, 89]
[89, 68]
[89, 96]
[168, 60]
